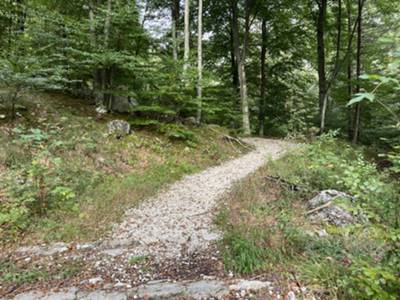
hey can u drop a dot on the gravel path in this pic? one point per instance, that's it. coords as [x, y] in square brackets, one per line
[170, 228]
[179, 220]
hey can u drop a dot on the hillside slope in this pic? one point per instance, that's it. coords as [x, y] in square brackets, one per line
[63, 178]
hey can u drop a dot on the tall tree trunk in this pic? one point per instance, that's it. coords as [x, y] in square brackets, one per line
[240, 59]
[234, 67]
[349, 70]
[93, 40]
[10, 28]
[175, 25]
[187, 36]
[357, 113]
[322, 84]
[106, 76]
[107, 24]
[263, 76]
[336, 64]
[200, 61]
[21, 15]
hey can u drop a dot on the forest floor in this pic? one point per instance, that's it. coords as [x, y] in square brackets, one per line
[165, 247]
[92, 234]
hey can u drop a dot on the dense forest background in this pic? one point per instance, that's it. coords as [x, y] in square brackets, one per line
[262, 67]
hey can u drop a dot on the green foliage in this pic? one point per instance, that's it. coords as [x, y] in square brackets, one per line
[371, 282]
[63, 178]
[267, 229]
[177, 132]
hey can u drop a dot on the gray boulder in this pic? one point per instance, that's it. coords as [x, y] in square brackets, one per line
[331, 206]
[119, 128]
[122, 104]
[190, 121]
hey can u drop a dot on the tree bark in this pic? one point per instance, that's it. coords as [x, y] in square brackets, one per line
[349, 70]
[10, 28]
[357, 113]
[322, 84]
[106, 74]
[107, 24]
[240, 59]
[93, 41]
[234, 67]
[175, 25]
[21, 15]
[200, 61]
[187, 36]
[263, 76]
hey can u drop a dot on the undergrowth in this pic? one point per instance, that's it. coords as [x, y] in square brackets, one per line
[62, 178]
[267, 230]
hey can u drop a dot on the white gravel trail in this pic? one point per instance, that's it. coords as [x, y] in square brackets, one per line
[180, 219]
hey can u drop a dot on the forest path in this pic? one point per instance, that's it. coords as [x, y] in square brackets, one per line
[179, 220]
[165, 247]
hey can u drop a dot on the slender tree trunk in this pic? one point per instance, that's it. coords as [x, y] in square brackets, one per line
[93, 41]
[357, 114]
[234, 67]
[21, 15]
[10, 27]
[107, 24]
[241, 58]
[349, 70]
[263, 76]
[322, 84]
[175, 24]
[106, 71]
[200, 61]
[339, 34]
[187, 36]
[337, 56]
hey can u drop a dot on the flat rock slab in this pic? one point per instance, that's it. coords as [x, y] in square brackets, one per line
[163, 289]
[206, 289]
[101, 295]
[69, 294]
[203, 289]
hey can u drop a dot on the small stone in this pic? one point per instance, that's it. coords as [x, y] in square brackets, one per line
[322, 233]
[190, 121]
[119, 284]
[119, 128]
[252, 285]
[113, 252]
[101, 110]
[291, 296]
[95, 280]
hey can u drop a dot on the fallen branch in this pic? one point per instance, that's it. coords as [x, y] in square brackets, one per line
[231, 138]
[319, 208]
[281, 181]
